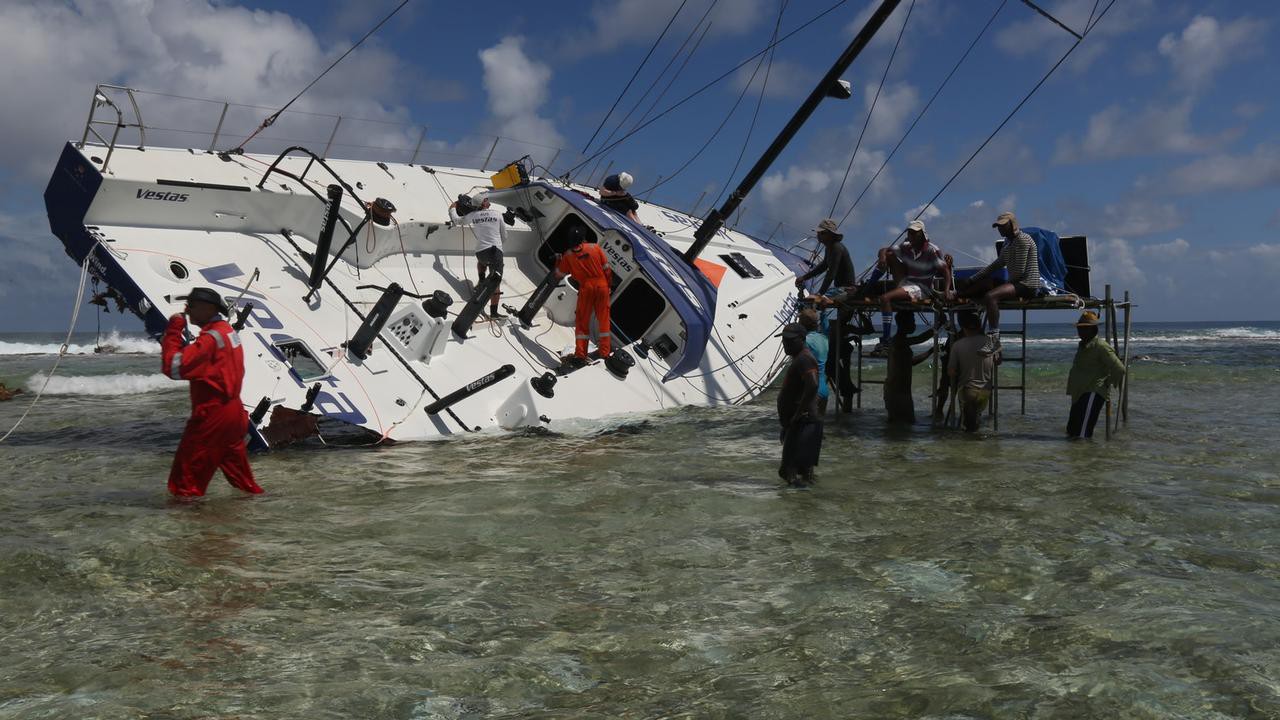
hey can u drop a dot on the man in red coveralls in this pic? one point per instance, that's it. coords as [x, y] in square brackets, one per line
[588, 265]
[214, 365]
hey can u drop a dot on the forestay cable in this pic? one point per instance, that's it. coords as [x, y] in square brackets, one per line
[274, 116]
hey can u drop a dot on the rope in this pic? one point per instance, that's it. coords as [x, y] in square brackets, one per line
[927, 105]
[633, 75]
[62, 351]
[274, 116]
[871, 111]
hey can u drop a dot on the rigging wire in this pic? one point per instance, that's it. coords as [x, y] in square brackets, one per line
[634, 75]
[1013, 112]
[764, 85]
[274, 116]
[871, 110]
[707, 86]
[679, 51]
[924, 110]
[728, 116]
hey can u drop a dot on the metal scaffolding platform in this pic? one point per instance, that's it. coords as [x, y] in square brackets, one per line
[1108, 308]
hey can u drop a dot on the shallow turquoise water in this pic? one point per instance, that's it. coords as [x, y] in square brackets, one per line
[653, 567]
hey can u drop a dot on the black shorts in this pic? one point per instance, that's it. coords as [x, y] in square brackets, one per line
[1084, 415]
[491, 258]
[1025, 292]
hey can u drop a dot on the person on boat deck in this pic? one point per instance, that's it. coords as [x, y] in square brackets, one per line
[615, 196]
[587, 264]
[915, 264]
[820, 347]
[1094, 369]
[491, 232]
[801, 430]
[214, 365]
[836, 263]
[971, 369]
[1020, 257]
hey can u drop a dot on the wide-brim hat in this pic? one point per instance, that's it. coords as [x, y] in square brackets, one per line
[829, 226]
[1087, 319]
[204, 294]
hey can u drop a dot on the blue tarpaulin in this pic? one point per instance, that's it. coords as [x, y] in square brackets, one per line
[685, 288]
[1053, 269]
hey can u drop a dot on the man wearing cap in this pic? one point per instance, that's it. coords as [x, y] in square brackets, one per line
[615, 196]
[491, 232]
[820, 347]
[587, 263]
[1093, 371]
[915, 263]
[214, 365]
[835, 260]
[798, 410]
[1020, 257]
[971, 369]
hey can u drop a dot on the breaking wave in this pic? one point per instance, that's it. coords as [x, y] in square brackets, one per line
[115, 342]
[122, 384]
[1194, 336]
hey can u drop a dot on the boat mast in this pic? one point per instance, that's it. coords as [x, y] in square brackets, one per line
[826, 88]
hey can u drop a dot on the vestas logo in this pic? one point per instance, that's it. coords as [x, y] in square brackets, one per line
[159, 195]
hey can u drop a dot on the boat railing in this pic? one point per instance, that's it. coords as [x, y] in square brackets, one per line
[102, 100]
[220, 124]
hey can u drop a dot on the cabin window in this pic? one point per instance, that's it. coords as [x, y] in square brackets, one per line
[635, 310]
[557, 243]
[302, 361]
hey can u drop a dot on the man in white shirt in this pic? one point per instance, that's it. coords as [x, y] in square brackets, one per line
[490, 231]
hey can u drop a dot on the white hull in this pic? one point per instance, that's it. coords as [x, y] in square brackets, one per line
[167, 219]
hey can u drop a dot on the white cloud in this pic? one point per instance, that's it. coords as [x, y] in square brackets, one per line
[1139, 217]
[1119, 131]
[615, 23]
[1174, 249]
[1036, 35]
[1112, 262]
[802, 193]
[894, 109]
[1260, 168]
[1206, 46]
[188, 47]
[926, 212]
[786, 79]
[518, 87]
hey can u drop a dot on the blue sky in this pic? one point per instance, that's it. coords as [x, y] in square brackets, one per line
[1157, 138]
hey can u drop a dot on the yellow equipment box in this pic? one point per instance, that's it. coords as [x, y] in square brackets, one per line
[509, 176]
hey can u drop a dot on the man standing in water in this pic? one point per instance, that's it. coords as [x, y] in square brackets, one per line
[1093, 371]
[971, 369]
[798, 410]
[214, 365]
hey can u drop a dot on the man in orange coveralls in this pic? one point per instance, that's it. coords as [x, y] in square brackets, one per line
[214, 365]
[587, 264]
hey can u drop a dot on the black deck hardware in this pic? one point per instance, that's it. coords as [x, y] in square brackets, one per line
[741, 265]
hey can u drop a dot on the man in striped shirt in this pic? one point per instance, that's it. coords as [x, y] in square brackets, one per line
[915, 263]
[1020, 258]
